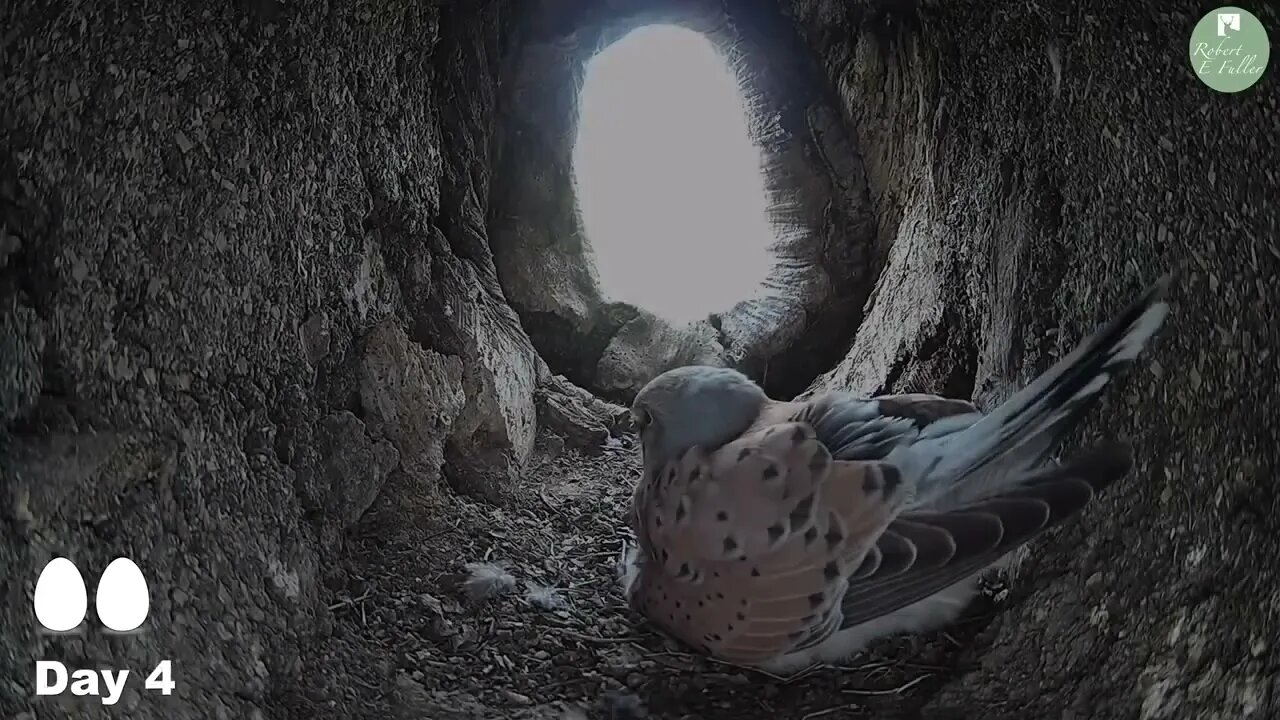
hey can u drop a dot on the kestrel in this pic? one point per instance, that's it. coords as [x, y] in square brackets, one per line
[779, 534]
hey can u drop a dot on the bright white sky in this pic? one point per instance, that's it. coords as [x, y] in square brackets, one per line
[668, 180]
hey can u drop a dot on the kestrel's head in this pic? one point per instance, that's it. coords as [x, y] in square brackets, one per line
[694, 405]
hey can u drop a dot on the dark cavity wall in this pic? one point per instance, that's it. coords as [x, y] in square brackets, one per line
[245, 285]
[1034, 166]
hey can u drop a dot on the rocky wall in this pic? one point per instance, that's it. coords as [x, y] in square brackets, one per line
[1033, 167]
[244, 283]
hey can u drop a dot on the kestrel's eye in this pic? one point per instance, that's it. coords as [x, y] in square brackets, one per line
[641, 418]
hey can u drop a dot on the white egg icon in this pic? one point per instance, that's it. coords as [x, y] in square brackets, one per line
[60, 598]
[123, 601]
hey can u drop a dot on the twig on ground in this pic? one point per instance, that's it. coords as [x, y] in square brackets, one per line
[596, 639]
[543, 497]
[349, 601]
[784, 679]
[891, 691]
[829, 711]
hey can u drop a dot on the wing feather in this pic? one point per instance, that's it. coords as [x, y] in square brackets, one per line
[858, 428]
[981, 532]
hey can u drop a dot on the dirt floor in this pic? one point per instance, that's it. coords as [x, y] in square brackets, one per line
[557, 641]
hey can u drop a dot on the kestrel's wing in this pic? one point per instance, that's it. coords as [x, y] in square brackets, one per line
[923, 408]
[859, 428]
[922, 553]
[751, 545]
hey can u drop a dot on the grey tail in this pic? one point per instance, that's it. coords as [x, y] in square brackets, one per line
[1035, 418]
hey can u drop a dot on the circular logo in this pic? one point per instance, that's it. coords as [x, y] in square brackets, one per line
[1229, 49]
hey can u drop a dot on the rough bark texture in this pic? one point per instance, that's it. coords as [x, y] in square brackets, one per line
[253, 337]
[245, 281]
[1035, 166]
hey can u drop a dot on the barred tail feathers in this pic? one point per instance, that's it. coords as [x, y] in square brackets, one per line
[1036, 417]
